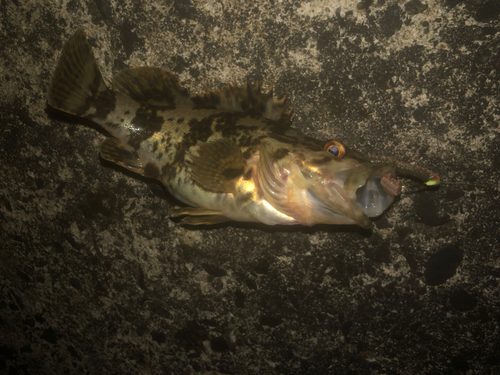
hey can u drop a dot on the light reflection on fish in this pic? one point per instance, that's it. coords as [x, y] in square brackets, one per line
[230, 154]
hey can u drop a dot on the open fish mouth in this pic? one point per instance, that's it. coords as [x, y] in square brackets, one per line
[353, 195]
[378, 193]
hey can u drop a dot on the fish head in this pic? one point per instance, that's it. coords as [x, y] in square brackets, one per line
[316, 182]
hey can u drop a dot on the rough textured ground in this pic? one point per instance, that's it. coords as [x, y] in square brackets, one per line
[95, 278]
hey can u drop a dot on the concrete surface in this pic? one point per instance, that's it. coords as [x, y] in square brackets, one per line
[96, 279]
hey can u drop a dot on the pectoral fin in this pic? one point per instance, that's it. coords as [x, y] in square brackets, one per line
[218, 165]
[115, 151]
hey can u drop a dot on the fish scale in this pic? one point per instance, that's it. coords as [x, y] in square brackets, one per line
[230, 153]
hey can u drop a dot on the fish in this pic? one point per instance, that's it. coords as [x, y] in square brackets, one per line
[228, 154]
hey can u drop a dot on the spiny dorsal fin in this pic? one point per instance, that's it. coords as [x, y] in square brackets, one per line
[219, 164]
[246, 99]
[154, 86]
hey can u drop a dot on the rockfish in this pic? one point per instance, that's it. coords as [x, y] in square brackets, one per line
[230, 154]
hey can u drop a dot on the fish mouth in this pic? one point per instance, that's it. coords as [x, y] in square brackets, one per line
[378, 191]
[353, 196]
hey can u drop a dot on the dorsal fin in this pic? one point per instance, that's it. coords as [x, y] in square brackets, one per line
[150, 85]
[246, 99]
[160, 87]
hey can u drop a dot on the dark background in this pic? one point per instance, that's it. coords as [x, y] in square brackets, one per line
[95, 278]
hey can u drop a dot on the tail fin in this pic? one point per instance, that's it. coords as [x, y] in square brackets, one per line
[77, 81]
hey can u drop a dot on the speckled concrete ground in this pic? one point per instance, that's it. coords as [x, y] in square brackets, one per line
[95, 278]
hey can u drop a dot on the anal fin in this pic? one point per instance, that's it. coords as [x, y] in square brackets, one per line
[115, 151]
[199, 216]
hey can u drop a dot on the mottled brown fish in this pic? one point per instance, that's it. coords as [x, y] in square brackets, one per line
[230, 154]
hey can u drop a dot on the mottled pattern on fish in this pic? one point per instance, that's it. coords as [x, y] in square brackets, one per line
[230, 154]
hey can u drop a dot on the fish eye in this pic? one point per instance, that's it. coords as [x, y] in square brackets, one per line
[334, 148]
